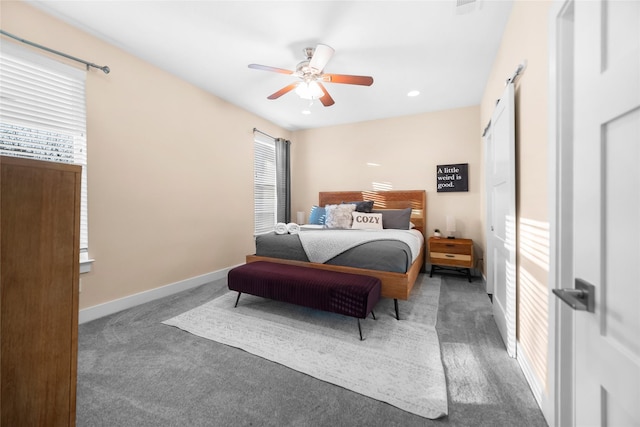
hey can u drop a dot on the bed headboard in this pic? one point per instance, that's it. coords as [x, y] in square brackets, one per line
[392, 199]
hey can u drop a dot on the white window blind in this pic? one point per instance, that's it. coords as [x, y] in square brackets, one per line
[43, 114]
[264, 184]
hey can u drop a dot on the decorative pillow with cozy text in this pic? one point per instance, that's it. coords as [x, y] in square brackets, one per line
[366, 221]
[338, 216]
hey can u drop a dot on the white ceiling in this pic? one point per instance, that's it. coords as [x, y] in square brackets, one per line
[403, 45]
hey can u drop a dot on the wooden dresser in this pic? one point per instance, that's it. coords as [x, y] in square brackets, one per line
[451, 254]
[39, 276]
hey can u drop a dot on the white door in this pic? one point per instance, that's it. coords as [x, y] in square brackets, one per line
[501, 191]
[607, 211]
[488, 187]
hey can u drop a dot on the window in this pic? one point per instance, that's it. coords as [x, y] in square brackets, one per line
[43, 116]
[271, 182]
[264, 184]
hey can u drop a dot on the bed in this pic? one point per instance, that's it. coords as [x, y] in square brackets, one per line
[395, 284]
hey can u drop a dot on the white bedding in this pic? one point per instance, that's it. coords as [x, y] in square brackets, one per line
[322, 245]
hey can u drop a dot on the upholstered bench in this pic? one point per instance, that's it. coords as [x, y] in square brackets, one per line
[343, 293]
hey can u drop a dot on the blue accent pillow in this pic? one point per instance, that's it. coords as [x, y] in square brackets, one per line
[317, 215]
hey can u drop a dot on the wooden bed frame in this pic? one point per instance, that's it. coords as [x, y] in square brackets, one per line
[394, 285]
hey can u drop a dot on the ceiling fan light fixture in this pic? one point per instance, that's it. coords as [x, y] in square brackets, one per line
[309, 90]
[311, 75]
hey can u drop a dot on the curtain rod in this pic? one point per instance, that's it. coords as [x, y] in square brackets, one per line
[105, 68]
[264, 133]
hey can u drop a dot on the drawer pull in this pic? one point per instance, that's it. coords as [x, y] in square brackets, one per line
[449, 256]
[450, 245]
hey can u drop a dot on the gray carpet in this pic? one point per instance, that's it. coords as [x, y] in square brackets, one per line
[134, 371]
[398, 362]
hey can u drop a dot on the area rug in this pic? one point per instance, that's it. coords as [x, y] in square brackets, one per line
[398, 362]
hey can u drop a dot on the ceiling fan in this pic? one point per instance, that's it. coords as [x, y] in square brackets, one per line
[310, 72]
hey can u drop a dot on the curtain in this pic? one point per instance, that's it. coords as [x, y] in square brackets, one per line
[283, 180]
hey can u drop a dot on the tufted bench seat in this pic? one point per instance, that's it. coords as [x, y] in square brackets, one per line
[343, 293]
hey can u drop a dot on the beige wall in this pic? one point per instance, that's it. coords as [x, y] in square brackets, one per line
[170, 167]
[525, 38]
[398, 153]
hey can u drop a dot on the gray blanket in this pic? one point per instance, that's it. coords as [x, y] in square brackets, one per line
[322, 245]
[384, 255]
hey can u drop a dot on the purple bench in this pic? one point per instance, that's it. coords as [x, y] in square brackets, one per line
[343, 293]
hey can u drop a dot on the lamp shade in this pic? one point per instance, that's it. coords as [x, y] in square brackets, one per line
[451, 223]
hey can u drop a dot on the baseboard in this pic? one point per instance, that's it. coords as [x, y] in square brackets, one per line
[537, 389]
[111, 307]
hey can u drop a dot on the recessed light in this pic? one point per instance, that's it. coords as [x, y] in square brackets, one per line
[414, 93]
[306, 112]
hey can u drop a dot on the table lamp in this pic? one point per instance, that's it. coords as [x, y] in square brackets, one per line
[451, 226]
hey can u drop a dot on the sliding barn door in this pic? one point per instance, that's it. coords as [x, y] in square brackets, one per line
[501, 217]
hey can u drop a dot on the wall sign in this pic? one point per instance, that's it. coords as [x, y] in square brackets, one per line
[452, 177]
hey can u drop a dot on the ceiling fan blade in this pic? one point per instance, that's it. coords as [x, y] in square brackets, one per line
[284, 90]
[321, 56]
[268, 68]
[347, 79]
[326, 99]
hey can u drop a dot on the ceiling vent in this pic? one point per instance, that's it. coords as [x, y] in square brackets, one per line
[464, 7]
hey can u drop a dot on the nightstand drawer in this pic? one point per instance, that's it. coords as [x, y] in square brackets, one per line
[452, 257]
[450, 248]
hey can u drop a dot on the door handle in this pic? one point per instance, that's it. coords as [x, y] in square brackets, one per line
[581, 298]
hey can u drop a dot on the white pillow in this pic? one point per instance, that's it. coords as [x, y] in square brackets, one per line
[366, 221]
[338, 216]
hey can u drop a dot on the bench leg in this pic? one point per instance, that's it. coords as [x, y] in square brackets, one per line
[237, 299]
[360, 327]
[395, 303]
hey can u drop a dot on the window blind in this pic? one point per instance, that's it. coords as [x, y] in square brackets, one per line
[264, 184]
[43, 114]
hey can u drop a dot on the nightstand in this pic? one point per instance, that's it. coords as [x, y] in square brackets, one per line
[451, 254]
